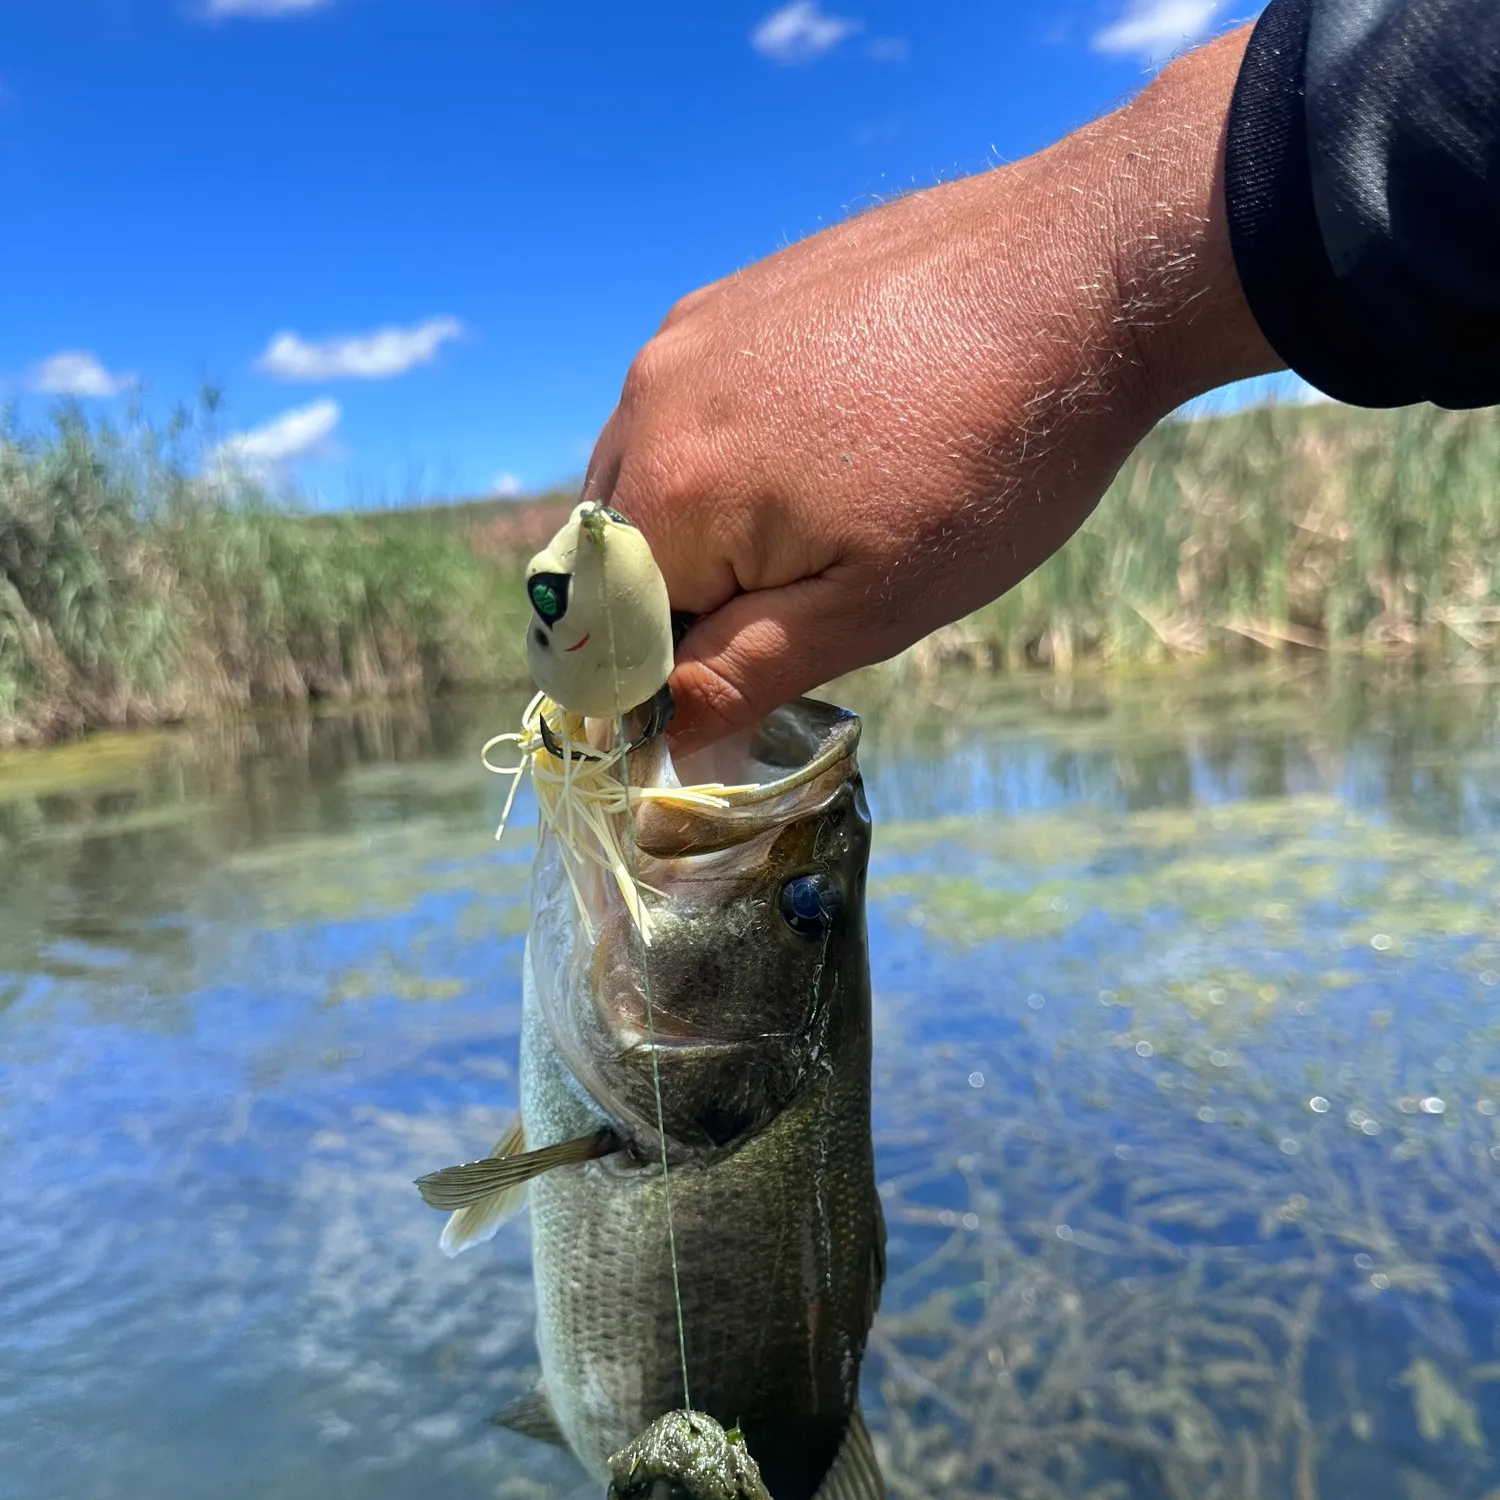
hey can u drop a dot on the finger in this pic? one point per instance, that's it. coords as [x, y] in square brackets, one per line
[762, 649]
[693, 541]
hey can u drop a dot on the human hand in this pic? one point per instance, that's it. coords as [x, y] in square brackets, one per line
[879, 429]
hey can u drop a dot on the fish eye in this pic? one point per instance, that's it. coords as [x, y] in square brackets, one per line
[811, 904]
[548, 593]
[614, 515]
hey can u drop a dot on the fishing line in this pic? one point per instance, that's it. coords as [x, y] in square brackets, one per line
[632, 854]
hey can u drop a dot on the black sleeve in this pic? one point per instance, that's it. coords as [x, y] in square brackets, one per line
[1362, 173]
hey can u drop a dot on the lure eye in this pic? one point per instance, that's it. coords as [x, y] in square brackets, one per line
[548, 593]
[810, 905]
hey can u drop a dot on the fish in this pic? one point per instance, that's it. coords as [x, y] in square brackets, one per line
[758, 980]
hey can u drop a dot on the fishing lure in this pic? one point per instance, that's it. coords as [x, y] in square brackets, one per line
[601, 643]
[600, 648]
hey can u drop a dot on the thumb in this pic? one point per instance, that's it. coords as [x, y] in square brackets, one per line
[762, 649]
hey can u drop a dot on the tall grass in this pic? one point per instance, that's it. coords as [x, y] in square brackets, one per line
[139, 582]
[1283, 527]
[135, 590]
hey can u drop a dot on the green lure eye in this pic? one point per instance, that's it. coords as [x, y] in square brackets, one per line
[549, 596]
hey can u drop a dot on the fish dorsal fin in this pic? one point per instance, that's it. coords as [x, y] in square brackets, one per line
[532, 1416]
[855, 1474]
[474, 1181]
[877, 1259]
[479, 1221]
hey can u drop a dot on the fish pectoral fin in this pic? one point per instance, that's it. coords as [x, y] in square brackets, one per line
[462, 1186]
[479, 1221]
[532, 1416]
[855, 1474]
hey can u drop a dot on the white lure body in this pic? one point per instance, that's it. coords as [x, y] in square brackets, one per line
[600, 641]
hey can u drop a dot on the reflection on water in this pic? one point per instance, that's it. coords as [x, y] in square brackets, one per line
[1187, 1083]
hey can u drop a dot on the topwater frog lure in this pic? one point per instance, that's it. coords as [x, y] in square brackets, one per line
[600, 649]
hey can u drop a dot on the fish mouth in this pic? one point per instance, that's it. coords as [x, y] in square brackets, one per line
[788, 766]
[734, 984]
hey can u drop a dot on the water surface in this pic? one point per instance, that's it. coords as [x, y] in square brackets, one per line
[1187, 1099]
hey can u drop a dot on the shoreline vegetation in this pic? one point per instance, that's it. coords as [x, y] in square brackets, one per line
[144, 583]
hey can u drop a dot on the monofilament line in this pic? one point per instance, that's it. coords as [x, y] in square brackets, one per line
[633, 856]
[661, 1121]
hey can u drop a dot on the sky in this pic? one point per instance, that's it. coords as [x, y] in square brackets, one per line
[417, 242]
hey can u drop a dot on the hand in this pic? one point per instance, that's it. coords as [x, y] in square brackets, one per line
[875, 431]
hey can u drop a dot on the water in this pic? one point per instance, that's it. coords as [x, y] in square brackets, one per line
[1187, 1079]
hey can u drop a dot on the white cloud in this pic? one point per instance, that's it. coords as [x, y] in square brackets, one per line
[260, 10]
[800, 32]
[506, 486]
[76, 372]
[284, 441]
[363, 356]
[1154, 29]
[888, 49]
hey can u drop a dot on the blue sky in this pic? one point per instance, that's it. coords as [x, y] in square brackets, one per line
[418, 241]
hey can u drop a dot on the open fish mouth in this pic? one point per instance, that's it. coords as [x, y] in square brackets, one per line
[724, 990]
[787, 765]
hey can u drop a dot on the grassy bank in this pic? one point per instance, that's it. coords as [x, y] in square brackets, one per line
[134, 591]
[1317, 528]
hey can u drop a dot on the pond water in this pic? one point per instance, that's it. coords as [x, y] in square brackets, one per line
[1187, 1085]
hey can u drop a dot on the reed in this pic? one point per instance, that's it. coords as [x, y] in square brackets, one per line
[1283, 527]
[142, 583]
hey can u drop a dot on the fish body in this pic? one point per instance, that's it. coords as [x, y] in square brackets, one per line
[756, 984]
[763, 1044]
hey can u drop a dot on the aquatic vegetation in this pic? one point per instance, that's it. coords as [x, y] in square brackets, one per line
[1263, 1285]
[1193, 1187]
[1278, 528]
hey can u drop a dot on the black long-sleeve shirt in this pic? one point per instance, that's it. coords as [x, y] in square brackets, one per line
[1362, 174]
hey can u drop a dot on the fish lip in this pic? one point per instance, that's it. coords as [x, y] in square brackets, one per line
[821, 741]
[840, 739]
[579, 645]
[696, 1047]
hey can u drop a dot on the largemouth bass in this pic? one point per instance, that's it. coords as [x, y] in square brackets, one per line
[758, 979]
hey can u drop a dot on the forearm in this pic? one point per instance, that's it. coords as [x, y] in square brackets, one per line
[1111, 250]
[1180, 305]
[884, 426]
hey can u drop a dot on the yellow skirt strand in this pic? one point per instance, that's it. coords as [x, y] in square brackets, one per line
[583, 797]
